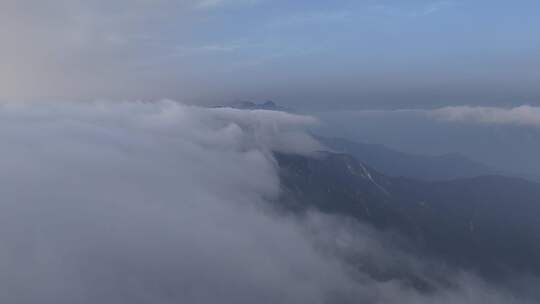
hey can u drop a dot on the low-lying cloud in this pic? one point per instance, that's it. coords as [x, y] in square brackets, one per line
[165, 203]
[522, 116]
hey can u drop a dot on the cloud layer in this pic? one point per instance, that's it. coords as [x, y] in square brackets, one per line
[151, 203]
[165, 203]
[522, 116]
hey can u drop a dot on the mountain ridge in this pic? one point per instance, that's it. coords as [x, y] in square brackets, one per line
[397, 163]
[485, 223]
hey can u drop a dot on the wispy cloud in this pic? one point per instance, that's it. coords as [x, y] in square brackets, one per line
[523, 115]
[436, 7]
[184, 50]
[309, 18]
[416, 11]
[210, 4]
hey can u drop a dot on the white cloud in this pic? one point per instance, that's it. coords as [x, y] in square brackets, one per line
[523, 115]
[165, 203]
[152, 203]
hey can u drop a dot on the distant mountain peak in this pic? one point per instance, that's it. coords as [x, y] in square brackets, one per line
[250, 105]
[243, 104]
[269, 103]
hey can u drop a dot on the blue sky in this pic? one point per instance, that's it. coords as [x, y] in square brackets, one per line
[324, 54]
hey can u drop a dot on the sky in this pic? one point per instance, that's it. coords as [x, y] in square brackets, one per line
[305, 54]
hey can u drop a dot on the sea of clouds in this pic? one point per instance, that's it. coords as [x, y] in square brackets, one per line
[140, 202]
